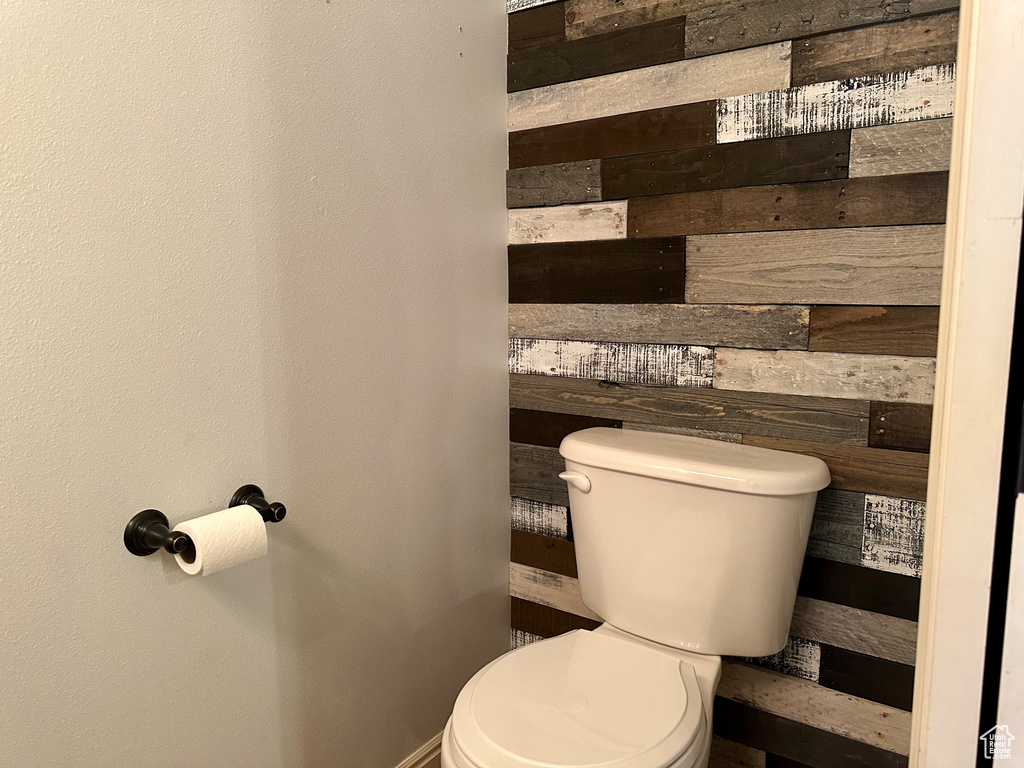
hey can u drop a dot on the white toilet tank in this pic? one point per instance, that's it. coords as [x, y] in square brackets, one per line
[692, 543]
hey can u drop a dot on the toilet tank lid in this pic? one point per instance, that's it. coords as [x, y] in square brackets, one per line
[697, 461]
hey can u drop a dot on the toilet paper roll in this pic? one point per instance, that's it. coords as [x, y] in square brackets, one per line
[222, 540]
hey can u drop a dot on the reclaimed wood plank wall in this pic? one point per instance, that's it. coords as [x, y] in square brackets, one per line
[726, 220]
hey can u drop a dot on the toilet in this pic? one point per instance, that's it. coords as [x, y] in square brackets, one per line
[690, 550]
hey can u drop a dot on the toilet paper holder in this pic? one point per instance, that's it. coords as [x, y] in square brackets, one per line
[149, 530]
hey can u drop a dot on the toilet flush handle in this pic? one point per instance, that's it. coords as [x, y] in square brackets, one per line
[576, 480]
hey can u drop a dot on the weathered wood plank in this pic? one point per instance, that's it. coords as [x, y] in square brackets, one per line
[859, 102]
[518, 639]
[814, 157]
[871, 202]
[837, 530]
[536, 27]
[858, 587]
[538, 517]
[818, 419]
[800, 658]
[805, 702]
[545, 621]
[902, 148]
[910, 44]
[874, 634]
[632, 133]
[567, 223]
[593, 17]
[545, 553]
[550, 589]
[578, 182]
[901, 426]
[729, 754]
[867, 677]
[725, 437]
[602, 271]
[759, 327]
[675, 365]
[547, 428]
[893, 535]
[741, 23]
[533, 469]
[681, 82]
[872, 470]
[512, 6]
[615, 51]
[910, 331]
[827, 374]
[874, 265]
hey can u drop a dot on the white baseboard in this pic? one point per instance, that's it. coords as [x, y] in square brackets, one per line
[424, 754]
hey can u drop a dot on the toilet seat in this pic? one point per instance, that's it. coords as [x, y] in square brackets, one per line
[580, 700]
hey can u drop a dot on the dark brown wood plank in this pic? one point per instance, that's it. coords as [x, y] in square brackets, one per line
[547, 428]
[892, 594]
[632, 133]
[915, 198]
[901, 426]
[544, 552]
[557, 184]
[536, 27]
[880, 48]
[616, 51]
[750, 413]
[541, 620]
[745, 23]
[867, 677]
[534, 470]
[811, 157]
[641, 271]
[871, 470]
[912, 331]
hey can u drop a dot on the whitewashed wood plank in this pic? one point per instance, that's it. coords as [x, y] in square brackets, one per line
[567, 223]
[893, 534]
[551, 589]
[859, 102]
[726, 437]
[539, 517]
[511, 6]
[759, 327]
[665, 85]
[800, 658]
[887, 150]
[805, 702]
[886, 266]
[827, 374]
[521, 637]
[665, 364]
[874, 634]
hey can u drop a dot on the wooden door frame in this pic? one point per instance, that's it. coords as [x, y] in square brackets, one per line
[986, 196]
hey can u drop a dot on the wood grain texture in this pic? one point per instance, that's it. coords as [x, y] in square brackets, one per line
[544, 552]
[800, 658]
[837, 530]
[544, 621]
[872, 470]
[729, 754]
[759, 327]
[725, 437]
[874, 634]
[901, 426]
[889, 594]
[615, 51]
[905, 45]
[593, 17]
[512, 6]
[519, 638]
[534, 470]
[536, 27]
[871, 202]
[902, 148]
[867, 677]
[827, 374]
[632, 133]
[681, 82]
[893, 535]
[814, 157]
[872, 265]
[820, 419]
[578, 182]
[537, 517]
[551, 589]
[675, 365]
[565, 223]
[805, 702]
[795, 745]
[909, 331]
[859, 102]
[547, 428]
